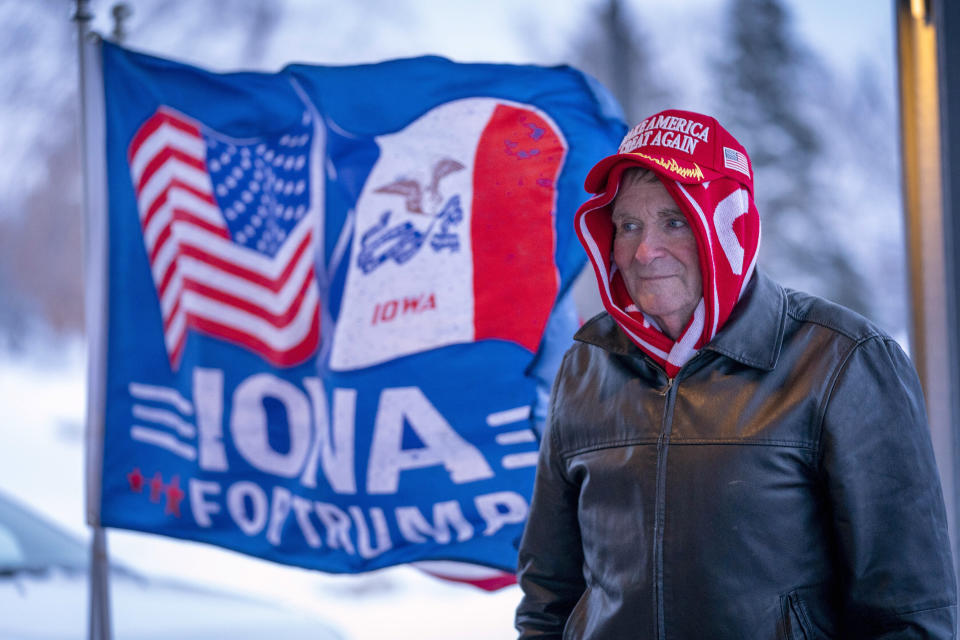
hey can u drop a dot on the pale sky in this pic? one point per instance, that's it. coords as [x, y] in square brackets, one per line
[842, 31]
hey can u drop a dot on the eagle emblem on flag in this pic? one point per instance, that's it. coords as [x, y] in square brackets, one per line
[230, 233]
[402, 242]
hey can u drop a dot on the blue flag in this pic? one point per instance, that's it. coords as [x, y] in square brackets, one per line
[335, 295]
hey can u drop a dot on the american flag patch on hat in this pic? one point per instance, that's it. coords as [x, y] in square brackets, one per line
[733, 159]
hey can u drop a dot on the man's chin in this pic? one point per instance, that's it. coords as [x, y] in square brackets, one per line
[658, 295]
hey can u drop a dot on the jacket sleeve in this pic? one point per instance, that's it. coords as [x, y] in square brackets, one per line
[886, 502]
[550, 568]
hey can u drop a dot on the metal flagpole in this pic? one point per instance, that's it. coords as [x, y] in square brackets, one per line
[93, 162]
[100, 627]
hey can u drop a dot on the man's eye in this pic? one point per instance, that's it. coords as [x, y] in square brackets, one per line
[629, 226]
[676, 223]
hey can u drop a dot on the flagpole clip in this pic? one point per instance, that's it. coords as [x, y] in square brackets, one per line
[121, 11]
[82, 14]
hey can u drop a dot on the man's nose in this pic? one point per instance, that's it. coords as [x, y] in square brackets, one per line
[649, 248]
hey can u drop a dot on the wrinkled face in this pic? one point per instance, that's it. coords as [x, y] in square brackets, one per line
[656, 251]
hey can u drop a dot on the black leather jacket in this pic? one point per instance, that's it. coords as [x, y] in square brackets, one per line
[782, 486]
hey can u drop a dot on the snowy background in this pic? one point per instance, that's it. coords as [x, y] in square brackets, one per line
[807, 85]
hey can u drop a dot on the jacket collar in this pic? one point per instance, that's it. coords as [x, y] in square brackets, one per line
[752, 335]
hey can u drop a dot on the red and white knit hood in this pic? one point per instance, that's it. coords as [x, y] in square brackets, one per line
[709, 175]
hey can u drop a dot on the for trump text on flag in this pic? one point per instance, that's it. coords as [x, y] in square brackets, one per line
[335, 295]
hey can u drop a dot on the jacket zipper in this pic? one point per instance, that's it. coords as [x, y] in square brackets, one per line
[663, 444]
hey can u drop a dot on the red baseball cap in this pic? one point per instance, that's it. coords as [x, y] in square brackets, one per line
[688, 147]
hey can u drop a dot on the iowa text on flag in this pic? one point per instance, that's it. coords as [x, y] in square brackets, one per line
[228, 229]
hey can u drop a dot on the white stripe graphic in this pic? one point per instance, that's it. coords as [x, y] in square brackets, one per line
[161, 394]
[518, 460]
[515, 437]
[166, 418]
[164, 441]
[508, 416]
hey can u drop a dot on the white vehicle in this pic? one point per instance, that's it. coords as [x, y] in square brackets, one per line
[44, 582]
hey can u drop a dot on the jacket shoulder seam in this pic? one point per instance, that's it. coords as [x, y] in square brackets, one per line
[858, 338]
[832, 385]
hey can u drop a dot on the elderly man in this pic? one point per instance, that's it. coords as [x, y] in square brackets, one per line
[725, 458]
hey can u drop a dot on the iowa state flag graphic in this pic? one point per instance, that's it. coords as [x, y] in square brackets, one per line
[435, 264]
[336, 299]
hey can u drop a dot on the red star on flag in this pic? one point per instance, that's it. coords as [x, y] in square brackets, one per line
[174, 496]
[135, 478]
[156, 487]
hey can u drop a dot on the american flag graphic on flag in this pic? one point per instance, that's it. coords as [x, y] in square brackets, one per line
[733, 159]
[229, 231]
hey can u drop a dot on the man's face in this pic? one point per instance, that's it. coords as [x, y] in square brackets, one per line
[656, 251]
